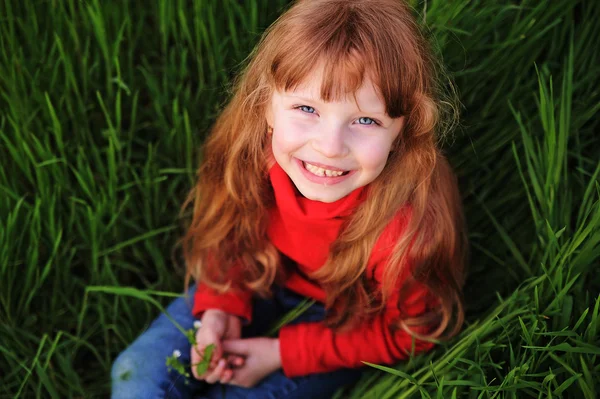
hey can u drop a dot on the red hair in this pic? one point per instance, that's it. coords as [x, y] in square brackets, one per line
[353, 39]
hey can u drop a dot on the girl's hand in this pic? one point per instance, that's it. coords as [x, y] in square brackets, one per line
[262, 358]
[216, 326]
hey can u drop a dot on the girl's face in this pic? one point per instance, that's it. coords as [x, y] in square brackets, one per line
[330, 149]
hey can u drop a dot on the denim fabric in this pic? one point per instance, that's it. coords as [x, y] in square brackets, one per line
[140, 371]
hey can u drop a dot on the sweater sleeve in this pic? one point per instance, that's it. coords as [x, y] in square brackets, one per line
[238, 303]
[313, 348]
[235, 301]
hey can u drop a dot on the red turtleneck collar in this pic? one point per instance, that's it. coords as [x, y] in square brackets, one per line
[294, 205]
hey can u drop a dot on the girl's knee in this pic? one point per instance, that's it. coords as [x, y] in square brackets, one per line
[124, 366]
[135, 374]
[136, 363]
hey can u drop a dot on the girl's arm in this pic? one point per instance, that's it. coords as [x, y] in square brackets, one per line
[238, 303]
[235, 301]
[313, 348]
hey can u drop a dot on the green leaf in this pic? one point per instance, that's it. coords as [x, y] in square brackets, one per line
[202, 366]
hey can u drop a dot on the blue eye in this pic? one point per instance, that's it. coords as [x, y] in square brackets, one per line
[366, 121]
[306, 108]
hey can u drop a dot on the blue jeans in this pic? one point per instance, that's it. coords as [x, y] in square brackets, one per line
[140, 371]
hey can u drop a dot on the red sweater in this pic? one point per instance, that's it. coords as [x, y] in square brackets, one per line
[303, 230]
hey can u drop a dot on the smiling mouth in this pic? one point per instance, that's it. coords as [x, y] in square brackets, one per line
[322, 172]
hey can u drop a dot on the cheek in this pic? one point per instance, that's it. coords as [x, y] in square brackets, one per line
[280, 144]
[372, 154]
[288, 136]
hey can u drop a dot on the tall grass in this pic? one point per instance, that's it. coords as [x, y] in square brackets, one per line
[104, 103]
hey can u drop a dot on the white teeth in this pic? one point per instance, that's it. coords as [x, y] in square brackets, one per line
[322, 172]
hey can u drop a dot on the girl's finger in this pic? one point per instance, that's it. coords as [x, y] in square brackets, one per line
[216, 374]
[227, 376]
[235, 360]
[214, 360]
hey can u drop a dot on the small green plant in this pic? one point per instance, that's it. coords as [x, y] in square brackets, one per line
[206, 358]
[173, 362]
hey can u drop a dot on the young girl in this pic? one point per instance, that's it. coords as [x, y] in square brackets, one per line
[321, 180]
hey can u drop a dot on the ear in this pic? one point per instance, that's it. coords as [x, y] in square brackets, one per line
[401, 122]
[269, 113]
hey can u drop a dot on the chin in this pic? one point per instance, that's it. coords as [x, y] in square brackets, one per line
[321, 198]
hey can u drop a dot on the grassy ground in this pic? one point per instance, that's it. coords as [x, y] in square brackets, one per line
[103, 104]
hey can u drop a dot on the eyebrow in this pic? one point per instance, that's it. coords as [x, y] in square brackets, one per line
[318, 101]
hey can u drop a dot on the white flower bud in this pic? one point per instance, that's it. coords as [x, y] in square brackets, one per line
[197, 324]
[177, 353]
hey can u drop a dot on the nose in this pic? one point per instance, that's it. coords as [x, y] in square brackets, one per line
[331, 142]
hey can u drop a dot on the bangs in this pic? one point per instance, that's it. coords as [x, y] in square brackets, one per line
[341, 75]
[347, 50]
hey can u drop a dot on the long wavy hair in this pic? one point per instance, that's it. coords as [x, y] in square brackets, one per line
[226, 245]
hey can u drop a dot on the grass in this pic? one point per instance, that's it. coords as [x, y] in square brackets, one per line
[104, 103]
